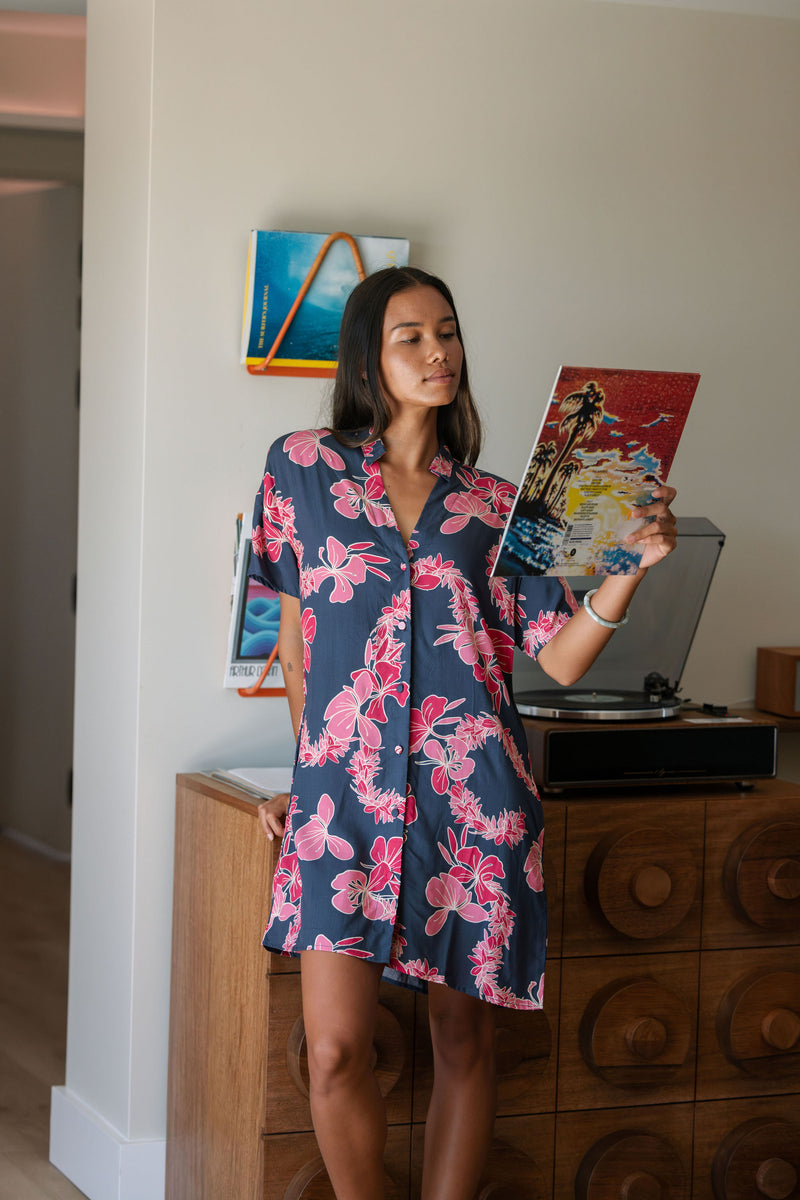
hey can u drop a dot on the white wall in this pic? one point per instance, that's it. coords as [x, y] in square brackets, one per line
[599, 183]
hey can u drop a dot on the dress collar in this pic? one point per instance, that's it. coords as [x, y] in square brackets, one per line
[442, 463]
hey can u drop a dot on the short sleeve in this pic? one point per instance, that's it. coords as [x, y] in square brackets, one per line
[276, 551]
[543, 605]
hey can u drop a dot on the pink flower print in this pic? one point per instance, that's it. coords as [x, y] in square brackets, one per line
[488, 957]
[398, 610]
[277, 523]
[353, 891]
[419, 968]
[387, 857]
[448, 895]
[425, 719]
[429, 573]
[313, 839]
[292, 934]
[502, 597]
[304, 447]
[503, 647]
[352, 499]
[468, 505]
[308, 625]
[442, 466]
[259, 542]
[472, 868]
[347, 565]
[281, 909]
[472, 644]
[536, 991]
[344, 712]
[533, 865]
[450, 763]
[539, 632]
[289, 876]
[498, 492]
[501, 919]
[399, 944]
[343, 946]
[386, 683]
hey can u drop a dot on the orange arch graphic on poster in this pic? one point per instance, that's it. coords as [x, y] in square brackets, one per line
[260, 368]
[257, 689]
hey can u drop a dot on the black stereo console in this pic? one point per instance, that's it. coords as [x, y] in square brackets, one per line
[689, 748]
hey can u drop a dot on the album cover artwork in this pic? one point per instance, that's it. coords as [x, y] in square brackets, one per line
[278, 266]
[254, 622]
[607, 439]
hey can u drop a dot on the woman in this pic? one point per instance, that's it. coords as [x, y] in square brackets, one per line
[413, 838]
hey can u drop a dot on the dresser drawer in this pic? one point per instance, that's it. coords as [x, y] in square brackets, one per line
[749, 1023]
[632, 877]
[747, 1148]
[752, 872]
[630, 1152]
[627, 1031]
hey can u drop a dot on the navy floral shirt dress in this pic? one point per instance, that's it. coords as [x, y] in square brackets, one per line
[414, 832]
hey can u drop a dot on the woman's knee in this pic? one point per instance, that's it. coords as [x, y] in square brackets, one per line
[335, 1059]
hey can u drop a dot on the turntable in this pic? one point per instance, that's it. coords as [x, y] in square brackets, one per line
[637, 675]
[625, 723]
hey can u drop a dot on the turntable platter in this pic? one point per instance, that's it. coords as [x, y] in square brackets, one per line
[619, 705]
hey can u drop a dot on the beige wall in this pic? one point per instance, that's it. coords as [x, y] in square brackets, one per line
[39, 348]
[600, 183]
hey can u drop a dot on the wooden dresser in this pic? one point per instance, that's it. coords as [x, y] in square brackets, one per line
[665, 1065]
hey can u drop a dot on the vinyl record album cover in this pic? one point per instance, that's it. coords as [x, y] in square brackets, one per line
[607, 439]
[278, 265]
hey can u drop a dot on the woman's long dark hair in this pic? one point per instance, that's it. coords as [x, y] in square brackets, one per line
[358, 400]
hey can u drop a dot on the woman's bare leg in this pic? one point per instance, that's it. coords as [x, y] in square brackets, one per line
[340, 998]
[461, 1113]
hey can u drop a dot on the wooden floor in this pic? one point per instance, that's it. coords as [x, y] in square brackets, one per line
[34, 922]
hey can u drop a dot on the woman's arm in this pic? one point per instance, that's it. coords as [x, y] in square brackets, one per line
[570, 653]
[290, 653]
[271, 813]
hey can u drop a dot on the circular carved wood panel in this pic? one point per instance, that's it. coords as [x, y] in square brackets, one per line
[643, 881]
[636, 1033]
[511, 1175]
[631, 1165]
[758, 1024]
[759, 1158]
[761, 875]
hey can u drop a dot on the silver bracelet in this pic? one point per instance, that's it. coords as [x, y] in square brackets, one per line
[587, 604]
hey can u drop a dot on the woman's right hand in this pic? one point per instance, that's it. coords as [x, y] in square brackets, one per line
[271, 814]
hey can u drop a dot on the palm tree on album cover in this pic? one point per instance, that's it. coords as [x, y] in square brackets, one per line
[582, 412]
[543, 455]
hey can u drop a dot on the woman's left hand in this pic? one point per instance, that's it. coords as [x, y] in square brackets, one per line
[657, 536]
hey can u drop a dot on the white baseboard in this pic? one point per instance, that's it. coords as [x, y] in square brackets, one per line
[97, 1159]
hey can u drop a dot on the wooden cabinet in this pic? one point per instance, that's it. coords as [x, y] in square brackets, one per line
[665, 1064]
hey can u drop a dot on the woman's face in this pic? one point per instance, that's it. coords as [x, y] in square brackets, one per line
[421, 356]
